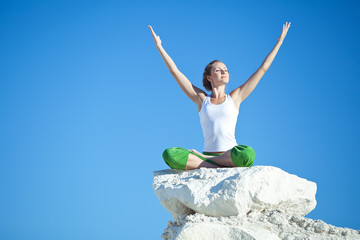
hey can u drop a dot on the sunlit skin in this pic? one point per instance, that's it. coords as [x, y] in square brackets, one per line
[218, 78]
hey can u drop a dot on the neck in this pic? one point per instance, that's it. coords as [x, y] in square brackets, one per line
[218, 92]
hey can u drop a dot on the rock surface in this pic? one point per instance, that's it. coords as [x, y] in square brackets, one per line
[265, 225]
[260, 202]
[233, 191]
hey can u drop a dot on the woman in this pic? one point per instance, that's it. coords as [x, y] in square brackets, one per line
[218, 113]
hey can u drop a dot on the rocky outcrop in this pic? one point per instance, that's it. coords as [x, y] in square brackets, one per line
[264, 225]
[224, 192]
[260, 202]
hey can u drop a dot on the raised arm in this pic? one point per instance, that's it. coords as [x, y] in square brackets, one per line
[194, 93]
[239, 94]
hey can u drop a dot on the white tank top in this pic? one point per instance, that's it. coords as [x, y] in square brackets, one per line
[218, 124]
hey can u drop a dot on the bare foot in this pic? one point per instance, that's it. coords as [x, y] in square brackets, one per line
[200, 154]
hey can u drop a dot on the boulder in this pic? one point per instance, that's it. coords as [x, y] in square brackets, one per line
[224, 192]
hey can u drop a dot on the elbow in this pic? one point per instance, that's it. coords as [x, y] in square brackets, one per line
[173, 71]
[264, 68]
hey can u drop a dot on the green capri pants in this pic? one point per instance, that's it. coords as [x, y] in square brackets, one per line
[176, 157]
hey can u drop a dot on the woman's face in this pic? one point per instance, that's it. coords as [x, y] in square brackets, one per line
[219, 74]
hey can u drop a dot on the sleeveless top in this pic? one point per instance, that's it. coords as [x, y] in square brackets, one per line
[218, 124]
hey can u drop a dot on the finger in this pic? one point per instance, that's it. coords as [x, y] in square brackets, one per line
[284, 27]
[154, 34]
[152, 31]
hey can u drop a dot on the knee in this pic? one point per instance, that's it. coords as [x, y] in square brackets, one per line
[243, 156]
[176, 157]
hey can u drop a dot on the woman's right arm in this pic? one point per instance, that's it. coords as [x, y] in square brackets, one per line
[195, 94]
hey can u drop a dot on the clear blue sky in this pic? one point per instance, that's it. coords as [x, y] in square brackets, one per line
[87, 106]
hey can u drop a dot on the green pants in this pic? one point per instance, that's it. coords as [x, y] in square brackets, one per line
[241, 156]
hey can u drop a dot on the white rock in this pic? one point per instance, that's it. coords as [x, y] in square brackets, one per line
[265, 225]
[233, 191]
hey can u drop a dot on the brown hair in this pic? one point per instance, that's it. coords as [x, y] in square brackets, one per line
[207, 72]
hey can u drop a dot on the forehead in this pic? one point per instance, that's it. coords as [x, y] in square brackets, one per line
[219, 65]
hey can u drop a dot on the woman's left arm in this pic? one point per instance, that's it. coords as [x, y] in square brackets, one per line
[239, 94]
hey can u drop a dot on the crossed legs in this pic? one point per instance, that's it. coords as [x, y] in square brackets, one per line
[180, 158]
[195, 162]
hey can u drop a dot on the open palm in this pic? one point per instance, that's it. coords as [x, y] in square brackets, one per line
[286, 27]
[156, 37]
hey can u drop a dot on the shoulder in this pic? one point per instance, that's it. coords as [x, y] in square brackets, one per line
[235, 97]
[200, 99]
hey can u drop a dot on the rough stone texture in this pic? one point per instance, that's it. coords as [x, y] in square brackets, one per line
[260, 202]
[233, 191]
[264, 225]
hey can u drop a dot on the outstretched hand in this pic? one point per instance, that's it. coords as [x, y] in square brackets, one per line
[286, 27]
[156, 38]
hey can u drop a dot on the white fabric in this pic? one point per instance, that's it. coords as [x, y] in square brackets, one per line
[218, 124]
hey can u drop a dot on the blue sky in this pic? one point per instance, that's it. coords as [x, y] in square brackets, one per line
[87, 106]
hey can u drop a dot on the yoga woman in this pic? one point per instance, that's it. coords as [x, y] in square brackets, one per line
[218, 113]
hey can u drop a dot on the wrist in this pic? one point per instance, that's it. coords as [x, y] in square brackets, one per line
[158, 46]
